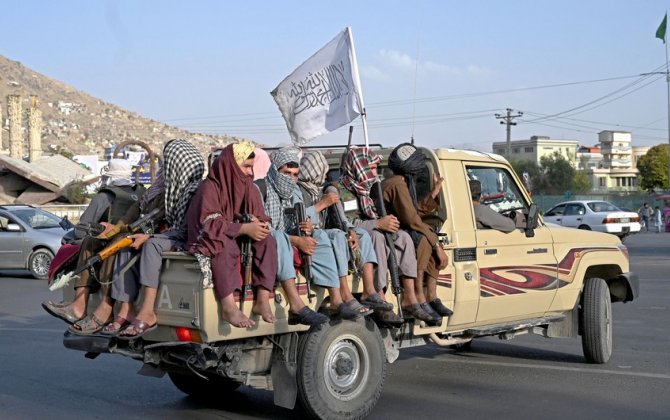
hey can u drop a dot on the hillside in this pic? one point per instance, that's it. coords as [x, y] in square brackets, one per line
[80, 123]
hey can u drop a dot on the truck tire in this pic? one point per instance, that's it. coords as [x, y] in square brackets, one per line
[204, 389]
[341, 370]
[596, 319]
[39, 263]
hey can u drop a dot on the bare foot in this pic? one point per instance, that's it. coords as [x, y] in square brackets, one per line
[262, 308]
[235, 317]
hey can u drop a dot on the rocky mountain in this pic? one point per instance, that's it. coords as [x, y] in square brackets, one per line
[80, 123]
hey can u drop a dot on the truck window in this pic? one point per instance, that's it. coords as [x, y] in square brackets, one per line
[499, 189]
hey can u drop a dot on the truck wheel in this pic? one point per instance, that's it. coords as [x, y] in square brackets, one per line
[39, 263]
[596, 319]
[341, 370]
[200, 388]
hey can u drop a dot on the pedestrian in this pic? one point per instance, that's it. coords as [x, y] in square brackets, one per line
[658, 219]
[645, 213]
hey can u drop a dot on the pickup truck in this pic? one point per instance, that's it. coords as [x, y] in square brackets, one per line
[542, 279]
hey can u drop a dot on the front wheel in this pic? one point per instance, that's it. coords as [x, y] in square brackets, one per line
[341, 370]
[39, 263]
[596, 320]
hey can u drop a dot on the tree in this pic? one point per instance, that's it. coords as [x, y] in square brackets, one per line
[529, 167]
[557, 174]
[653, 168]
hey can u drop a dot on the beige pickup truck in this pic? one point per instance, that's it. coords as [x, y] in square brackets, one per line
[542, 279]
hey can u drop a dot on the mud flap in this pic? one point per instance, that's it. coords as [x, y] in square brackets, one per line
[284, 368]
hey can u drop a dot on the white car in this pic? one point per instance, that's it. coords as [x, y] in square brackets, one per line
[600, 216]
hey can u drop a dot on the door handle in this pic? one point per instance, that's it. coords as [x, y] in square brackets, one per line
[490, 251]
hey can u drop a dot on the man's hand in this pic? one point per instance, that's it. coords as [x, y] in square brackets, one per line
[388, 223]
[442, 258]
[305, 244]
[329, 199]
[437, 184]
[138, 240]
[353, 240]
[307, 227]
[256, 230]
[110, 230]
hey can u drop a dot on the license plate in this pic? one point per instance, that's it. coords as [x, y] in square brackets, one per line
[625, 220]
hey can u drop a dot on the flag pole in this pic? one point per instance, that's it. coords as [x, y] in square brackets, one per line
[357, 80]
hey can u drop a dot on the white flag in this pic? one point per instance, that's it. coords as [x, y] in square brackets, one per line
[323, 94]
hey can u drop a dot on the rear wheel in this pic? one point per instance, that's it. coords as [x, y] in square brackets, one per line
[596, 319]
[584, 227]
[39, 263]
[197, 387]
[341, 370]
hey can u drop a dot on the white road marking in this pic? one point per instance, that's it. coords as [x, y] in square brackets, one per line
[546, 367]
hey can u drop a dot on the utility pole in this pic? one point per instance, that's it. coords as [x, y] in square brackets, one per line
[508, 120]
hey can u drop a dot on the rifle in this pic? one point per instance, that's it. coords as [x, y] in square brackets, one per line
[247, 262]
[143, 224]
[378, 197]
[299, 211]
[338, 219]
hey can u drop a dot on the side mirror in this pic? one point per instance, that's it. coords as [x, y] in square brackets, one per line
[531, 220]
[13, 227]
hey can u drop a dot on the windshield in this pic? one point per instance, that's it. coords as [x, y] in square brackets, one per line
[37, 219]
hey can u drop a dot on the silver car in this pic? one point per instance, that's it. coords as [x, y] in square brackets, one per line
[29, 238]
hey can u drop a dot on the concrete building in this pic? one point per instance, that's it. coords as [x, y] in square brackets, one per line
[617, 171]
[538, 146]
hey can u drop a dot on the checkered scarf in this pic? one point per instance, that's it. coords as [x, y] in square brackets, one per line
[280, 187]
[183, 168]
[357, 177]
[313, 171]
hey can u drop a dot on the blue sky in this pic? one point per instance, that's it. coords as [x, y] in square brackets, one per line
[437, 70]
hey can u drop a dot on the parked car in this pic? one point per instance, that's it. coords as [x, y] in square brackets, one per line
[29, 238]
[600, 216]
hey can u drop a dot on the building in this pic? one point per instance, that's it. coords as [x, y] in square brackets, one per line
[617, 171]
[538, 146]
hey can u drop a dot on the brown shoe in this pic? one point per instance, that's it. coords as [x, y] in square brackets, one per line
[440, 308]
[388, 317]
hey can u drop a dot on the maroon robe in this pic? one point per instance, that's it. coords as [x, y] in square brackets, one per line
[212, 231]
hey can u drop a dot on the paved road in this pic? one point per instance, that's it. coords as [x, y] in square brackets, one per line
[528, 377]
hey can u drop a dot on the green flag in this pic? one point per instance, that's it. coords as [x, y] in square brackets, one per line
[660, 32]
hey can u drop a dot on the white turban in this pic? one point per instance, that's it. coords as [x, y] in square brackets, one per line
[120, 172]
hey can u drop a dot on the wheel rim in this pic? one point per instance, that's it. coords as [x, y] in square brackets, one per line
[346, 367]
[608, 324]
[41, 264]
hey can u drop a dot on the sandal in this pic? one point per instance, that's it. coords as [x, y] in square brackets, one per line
[377, 303]
[388, 317]
[415, 310]
[113, 328]
[88, 326]
[306, 316]
[361, 309]
[62, 310]
[136, 329]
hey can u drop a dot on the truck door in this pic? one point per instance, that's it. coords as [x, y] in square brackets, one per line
[517, 274]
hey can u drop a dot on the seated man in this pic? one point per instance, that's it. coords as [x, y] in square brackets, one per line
[486, 217]
[345, 237]
[117, 195]
[400, 197]
[359, 174]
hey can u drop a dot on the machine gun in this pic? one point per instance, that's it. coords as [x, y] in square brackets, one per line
[247, 262]
[299, 211]
[378, 197]
[144, 224]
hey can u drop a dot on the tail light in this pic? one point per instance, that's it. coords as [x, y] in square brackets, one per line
[188, 335]
[610, 220]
